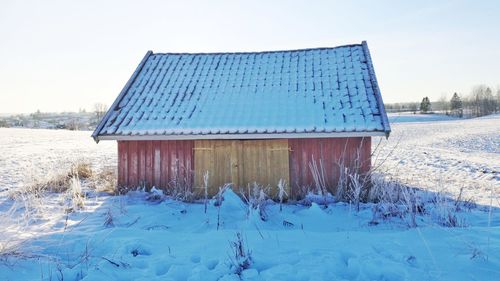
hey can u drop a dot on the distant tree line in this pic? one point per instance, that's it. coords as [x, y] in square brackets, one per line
[82, 120]
[402, 107]
[482, 100]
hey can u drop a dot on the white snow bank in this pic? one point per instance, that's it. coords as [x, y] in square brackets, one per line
[172, 240]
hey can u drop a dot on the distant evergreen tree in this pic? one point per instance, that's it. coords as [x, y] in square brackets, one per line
[456, 106]
[425, 105]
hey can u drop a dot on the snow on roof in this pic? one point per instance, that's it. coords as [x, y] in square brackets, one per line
[303, 93]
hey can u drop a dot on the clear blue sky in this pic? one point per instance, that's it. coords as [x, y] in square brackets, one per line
[66, 55]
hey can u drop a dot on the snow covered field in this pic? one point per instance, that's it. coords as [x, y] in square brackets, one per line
[410, 117]
[143, 236]
[29, 153]
[446, 156]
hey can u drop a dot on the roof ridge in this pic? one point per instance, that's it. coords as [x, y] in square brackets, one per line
[260, 52]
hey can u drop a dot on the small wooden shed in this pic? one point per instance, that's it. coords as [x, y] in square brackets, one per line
[246, 117]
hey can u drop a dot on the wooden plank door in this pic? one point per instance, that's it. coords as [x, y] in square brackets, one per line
[241, 162]
[265, 162]
[214, 156]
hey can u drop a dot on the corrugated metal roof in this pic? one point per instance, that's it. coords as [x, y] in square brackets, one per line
[211, 95]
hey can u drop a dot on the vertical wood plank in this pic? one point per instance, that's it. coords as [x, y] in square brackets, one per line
[149, 162]
[294, 168]
[142, 163]
[324, 163]
[278, 166]
[235, 163]
[125, 163]
[157, 163]
[173, 171]
[223, 162]
[133, 164]
[119, 148]
[165, 150]
[180, 166]
[306, 154]
[129, 165]
[265, 147]
[189, 161]
[366, 155]
[122, 163]
[351, 152]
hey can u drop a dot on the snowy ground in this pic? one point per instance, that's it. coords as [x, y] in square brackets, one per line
[132, 237]
[29, 153]
[446, 155]
[410, 117]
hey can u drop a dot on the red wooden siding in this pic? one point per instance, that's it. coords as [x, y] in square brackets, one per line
[154, 163]
[161, 163]
[331, 152]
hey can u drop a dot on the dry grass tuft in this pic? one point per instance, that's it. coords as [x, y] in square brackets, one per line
[82, 169]
[104, 181]
[257, 200]
[59, 181]
[73, 182]
[241, 258]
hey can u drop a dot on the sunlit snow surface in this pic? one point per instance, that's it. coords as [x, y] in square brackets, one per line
[171, 240]
[445, 155]
[28, 153]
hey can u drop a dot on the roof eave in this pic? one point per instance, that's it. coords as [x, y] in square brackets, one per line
[117, 101]
[376, 89]
[242, 136]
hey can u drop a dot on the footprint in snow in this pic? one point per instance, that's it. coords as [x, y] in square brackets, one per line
[195, 259]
